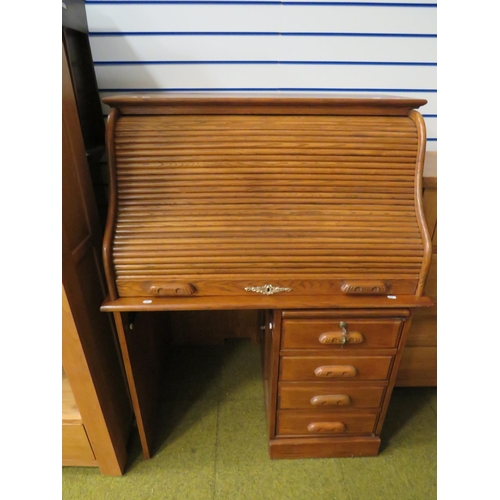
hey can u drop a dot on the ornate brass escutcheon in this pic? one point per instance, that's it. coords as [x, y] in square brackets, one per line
[267, 289]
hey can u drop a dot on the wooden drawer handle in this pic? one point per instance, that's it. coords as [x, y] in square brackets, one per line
[172, 289]
[337, 338]
[320, 427]
[336, 371]
[365, 288]
[331, 400]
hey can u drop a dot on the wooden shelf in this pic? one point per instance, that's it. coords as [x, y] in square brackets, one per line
[70, 412]
[76, 447]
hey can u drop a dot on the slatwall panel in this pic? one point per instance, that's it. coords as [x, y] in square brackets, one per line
[333, 47]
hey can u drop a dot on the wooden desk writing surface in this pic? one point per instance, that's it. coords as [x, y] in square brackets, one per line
[305, 207]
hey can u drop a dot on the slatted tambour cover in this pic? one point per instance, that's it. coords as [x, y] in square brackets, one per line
[221, 204]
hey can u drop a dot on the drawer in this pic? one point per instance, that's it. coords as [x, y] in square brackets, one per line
[328, 333]
[306, 423]
[319, 396]
[346, 368]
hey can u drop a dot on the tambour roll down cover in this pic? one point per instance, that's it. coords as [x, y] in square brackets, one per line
[218, 196]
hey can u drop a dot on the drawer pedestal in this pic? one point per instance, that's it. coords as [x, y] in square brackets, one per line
[329, 399]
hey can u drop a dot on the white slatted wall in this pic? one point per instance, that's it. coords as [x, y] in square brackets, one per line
[364, 47]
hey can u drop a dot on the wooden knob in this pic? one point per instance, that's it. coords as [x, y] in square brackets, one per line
[331, 400]
[330, 427]
[340, 371]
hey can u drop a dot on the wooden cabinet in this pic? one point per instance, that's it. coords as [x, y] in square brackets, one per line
[97, 415]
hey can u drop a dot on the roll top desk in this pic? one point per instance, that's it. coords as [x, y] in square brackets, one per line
[306, 207]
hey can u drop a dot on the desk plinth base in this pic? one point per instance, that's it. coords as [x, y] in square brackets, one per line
[324, 447]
